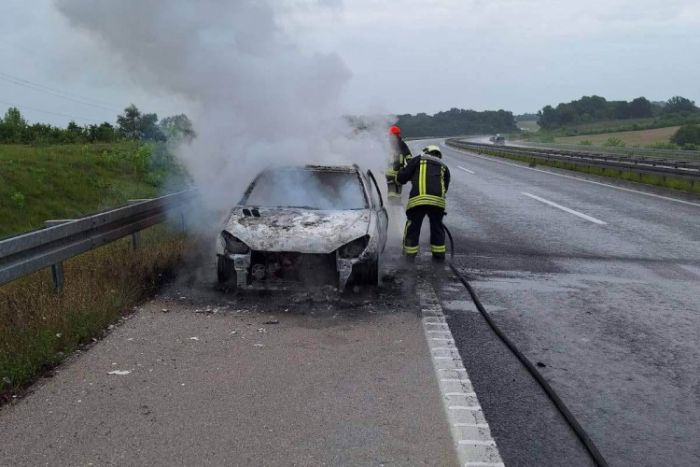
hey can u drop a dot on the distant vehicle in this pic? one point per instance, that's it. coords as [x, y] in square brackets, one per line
[296, 221]
[498, 139]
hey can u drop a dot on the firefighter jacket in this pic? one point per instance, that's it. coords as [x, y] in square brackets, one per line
[430, 179]
[400, 155]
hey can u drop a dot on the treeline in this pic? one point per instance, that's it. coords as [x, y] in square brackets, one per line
[456, 122]
[132, 124]
[591, 109]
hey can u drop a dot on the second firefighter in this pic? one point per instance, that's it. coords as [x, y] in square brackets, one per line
[430, 179]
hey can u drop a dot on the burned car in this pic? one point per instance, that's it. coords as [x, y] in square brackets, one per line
[305, 223]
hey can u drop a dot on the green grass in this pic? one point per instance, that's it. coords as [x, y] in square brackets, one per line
[39, 328]
[687, 186]
[67, 181]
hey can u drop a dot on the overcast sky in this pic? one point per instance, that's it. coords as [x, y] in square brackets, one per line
[405, 56]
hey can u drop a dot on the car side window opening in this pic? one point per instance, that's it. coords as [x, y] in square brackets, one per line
[375, 190]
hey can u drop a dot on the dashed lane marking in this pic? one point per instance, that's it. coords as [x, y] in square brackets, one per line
[470, 430]
[466, 170]
[629, 190]
[565, 209]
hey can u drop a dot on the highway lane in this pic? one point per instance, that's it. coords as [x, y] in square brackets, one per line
[600, 285]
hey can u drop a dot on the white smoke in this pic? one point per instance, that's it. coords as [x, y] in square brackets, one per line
[257, 99]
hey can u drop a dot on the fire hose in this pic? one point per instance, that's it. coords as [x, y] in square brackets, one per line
[534, 372]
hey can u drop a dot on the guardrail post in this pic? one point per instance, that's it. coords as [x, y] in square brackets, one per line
[57, 269]
[57, 276]
[136, 240]
[136, 236]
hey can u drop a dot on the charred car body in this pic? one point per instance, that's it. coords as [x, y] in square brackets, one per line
[294, 223]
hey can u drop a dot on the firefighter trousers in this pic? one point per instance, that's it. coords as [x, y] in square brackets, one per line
[414, 221]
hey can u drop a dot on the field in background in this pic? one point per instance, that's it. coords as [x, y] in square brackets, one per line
[528, 125]
[71, 180]
[630, 138]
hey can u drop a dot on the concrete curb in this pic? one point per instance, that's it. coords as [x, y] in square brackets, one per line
[469, 428]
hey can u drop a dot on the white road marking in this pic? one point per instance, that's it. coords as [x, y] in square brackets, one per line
[484, 464]
[474, 446]
[478, 442]
[629, 190]
[466, 170]
[565, 209]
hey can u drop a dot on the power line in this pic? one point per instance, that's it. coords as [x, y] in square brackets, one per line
[62, 94]
[49, 112]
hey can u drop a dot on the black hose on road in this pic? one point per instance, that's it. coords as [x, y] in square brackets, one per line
[553, 396]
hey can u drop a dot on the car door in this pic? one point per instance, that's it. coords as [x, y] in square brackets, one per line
[380, 210]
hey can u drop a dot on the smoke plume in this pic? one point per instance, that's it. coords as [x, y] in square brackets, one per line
[257, 99]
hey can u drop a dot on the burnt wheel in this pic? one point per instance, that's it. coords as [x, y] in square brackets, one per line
[225, 271]
[370, 272]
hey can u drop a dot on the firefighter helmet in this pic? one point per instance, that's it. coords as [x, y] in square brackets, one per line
[395, 130]
[432, 150]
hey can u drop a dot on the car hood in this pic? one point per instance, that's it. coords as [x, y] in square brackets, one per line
[298, 230]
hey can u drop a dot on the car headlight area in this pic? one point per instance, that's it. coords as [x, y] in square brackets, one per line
[232, 245]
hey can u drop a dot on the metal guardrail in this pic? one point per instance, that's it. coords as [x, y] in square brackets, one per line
[687, 170]
[628, 152]
[60, 240]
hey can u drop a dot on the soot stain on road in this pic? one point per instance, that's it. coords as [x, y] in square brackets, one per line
[196, 287]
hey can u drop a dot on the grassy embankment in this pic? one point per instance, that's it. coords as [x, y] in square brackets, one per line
[38, 327]
[66, 181]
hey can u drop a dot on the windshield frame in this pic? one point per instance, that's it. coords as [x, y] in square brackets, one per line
[315, 169]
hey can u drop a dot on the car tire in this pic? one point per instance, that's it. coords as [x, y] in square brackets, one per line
[370, 273]
[225, 271]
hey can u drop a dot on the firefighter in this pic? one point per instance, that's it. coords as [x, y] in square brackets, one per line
[400, 155]
[430, 179]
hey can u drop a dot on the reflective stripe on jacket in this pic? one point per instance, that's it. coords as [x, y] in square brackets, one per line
[430, 179]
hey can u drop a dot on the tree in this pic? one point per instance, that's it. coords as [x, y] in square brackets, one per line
[687, 134]
[149, 129]
[128, 123]
[13, 126]
[135, 125]
[641, 108]
[679, 104]
[178, 128]
[74, 132]
[103, 133]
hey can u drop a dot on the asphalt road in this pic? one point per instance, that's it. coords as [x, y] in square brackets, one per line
[598, 284]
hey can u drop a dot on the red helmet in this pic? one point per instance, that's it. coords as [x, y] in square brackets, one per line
[394, 130]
